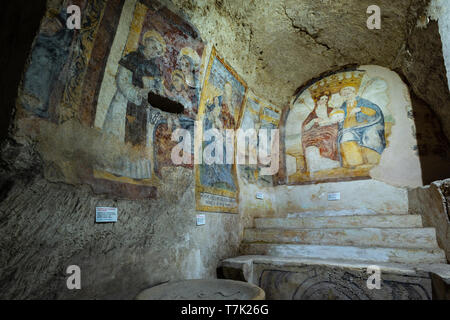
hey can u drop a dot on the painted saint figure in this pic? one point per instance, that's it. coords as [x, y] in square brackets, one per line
[320, 130]
[250, 171]
[189, 64]
[178, 92]
[227, 115]
[219, 117]
[346, 122]
[185, 89]
[138, 74]
[164, 129]
[130, 116]
[42, 81]
[362, 131]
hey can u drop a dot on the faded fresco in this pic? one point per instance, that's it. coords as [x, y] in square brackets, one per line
[221, 104]
[52, 84]
[337, 128]
[257, 115]
[102, 78]
[162, 56]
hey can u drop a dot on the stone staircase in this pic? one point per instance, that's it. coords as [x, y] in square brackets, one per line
[375, 238]
[346, 240]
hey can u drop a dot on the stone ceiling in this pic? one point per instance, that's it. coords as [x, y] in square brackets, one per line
[276, 46]
[282, 44]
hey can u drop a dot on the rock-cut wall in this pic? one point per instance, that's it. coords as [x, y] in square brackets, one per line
[85, 135]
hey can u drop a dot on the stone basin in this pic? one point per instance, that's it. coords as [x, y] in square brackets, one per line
[203, 290]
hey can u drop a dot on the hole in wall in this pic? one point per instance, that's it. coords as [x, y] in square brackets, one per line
[165, 104]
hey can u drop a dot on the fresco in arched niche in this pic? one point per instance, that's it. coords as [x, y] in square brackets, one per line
[161, 54]
[257, 115]
[337, 128]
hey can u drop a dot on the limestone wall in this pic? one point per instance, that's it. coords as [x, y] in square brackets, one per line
[83, 138]
[432, 202]
[49, 226]
[440, 10]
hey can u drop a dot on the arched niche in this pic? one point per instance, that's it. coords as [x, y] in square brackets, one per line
[352, 125]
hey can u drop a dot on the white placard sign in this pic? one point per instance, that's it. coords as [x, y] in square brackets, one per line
[104, 214]
[201, 220]
[334, 196]
[212, 200]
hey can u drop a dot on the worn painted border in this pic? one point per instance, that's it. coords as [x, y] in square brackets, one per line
[199, 188]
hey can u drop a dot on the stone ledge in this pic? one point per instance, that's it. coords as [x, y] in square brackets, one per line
[401, 281]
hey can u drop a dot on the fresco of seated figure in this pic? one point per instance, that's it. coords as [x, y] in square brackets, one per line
[345, 123]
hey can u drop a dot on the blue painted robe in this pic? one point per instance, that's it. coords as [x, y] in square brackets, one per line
[371, 133]
[217, 175]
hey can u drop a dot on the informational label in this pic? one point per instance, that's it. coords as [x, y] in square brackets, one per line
[260, 196]
[201, 220]
[334, 196]
[104, 214]
[212, 200]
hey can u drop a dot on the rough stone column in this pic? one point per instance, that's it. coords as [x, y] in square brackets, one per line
[440, 10]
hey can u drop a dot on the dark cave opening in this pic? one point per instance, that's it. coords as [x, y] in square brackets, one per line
[165, 104]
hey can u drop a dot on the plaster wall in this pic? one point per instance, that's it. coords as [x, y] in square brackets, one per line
[386, 191]
[359, 197]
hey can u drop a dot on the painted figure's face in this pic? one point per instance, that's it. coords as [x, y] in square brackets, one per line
[185, 65]
[178, 84]
[348, 93]
[323, 100]
[152, 48]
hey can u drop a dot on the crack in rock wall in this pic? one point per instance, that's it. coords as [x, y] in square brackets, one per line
[275, 46]
[279, 45]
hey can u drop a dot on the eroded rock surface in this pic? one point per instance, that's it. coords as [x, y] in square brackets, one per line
[282, 44]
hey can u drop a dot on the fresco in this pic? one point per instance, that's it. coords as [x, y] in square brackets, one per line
[220, 108]
[52, 82]
[257, 115]
[337, 128]
[161, 55]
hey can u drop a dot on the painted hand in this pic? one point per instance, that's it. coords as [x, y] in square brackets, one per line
[155, 116]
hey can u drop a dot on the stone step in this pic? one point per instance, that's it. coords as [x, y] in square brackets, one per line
[246, 262]
[339, 213]
[372, 255]
[361, 237]
[327, 222]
